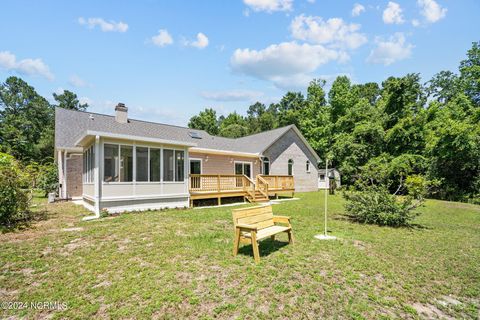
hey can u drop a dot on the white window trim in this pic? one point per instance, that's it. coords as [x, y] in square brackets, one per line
[201, 164]
[243, 162]
[263, 165]
[307, 166]
[293, 166]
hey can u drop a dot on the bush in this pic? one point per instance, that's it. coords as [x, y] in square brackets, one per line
[375, 205]
[14, 201]
[48, 178]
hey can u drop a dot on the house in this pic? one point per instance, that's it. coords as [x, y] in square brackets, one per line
[118, 164]
[324, 179]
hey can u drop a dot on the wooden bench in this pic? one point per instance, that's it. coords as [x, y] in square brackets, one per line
[257, 223]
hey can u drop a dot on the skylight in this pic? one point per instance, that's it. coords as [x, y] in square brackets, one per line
[194, 135]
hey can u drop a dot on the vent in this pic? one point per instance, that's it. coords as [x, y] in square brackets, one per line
[194, 135]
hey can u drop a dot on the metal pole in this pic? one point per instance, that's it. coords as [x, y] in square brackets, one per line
[326, 194]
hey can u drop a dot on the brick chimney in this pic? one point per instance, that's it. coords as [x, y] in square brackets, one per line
[121, 113]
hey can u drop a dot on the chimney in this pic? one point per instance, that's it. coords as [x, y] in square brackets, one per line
[121, 113]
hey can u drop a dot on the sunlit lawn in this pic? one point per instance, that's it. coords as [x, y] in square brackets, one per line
[178, 264]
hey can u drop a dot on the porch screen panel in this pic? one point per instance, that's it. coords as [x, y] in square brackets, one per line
[142, 164]
[110, 163]
[179, 170]
[126, 163]
[168, 165]
[154, 164]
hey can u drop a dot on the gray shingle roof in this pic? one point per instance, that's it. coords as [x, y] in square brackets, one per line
[72, 125]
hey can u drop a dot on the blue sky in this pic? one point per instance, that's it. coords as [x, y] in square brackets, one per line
[167, 60]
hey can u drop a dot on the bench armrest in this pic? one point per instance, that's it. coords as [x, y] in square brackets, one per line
[281, 219]
[246, 226]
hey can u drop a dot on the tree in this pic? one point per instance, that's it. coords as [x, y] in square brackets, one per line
[315, 122]
[341, 97]
[443, 86]
[290, 109]
[205, 120]
[233, 126]
[26, 121]
[69, 100]
[401, 97]
[470, 73]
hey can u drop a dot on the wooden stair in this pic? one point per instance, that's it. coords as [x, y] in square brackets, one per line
[259, 197]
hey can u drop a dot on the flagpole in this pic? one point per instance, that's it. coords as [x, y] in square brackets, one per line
[325, 235]
[326, 194]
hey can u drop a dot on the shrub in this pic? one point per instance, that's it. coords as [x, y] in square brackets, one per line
[14, 201]
[48, 178]
[375, 205]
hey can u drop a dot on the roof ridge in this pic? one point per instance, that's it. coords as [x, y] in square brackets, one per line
[139, 120]
[263, 132]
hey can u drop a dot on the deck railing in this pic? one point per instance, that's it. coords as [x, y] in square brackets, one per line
[219, 183]
[279, 182]
[262, 186]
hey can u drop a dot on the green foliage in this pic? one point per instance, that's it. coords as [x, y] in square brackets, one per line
[205, 120]
[376, 205]
[26, 121]
[48, 178]
[470, 73]
[14, 201]
[69, 100]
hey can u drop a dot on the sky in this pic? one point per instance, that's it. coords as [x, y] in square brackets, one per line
[168, 60]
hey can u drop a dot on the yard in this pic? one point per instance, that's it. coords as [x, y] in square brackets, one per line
[178, 264]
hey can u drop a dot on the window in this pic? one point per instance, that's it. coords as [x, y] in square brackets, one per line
[154, 165]
[322, 177]
[290, 167]
[88, 165]
[307, 166]
[179, 156]
[142, 164]
[168, 165]
[266, 166]
[126, 163]
[110, 163]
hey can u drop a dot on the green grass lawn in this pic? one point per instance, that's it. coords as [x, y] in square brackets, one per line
[178, 264]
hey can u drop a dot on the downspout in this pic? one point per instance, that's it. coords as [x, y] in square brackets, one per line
[60, 173]
[96, 176]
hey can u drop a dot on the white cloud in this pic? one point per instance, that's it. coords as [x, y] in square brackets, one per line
[162, 39]
[357, 9]
[105, 26]
[334, 32]
[415, 23]
[391, 50]
[269, 5]
[311, 1]
[287, 64]
[78, 82]
[32, 67]
[200, 43]
[232, 95]
[431, 10]
[393, 13]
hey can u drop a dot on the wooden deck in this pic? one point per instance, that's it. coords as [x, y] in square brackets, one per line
[218, 186]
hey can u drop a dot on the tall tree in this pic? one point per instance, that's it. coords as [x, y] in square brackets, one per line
[290, 109]
[341, 97]
[205, 120]
[470, 73]
[233, 126]
[26, 122]
[69, 100]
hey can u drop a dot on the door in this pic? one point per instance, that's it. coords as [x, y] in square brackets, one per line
[195, 166]
[244, 168]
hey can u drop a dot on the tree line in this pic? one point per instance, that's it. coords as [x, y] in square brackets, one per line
[382, 133]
